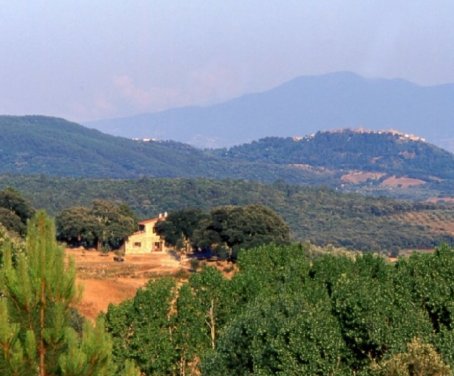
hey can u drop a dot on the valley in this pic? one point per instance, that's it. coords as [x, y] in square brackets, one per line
[226, 188]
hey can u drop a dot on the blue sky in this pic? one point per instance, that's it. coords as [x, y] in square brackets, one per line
[85, 60]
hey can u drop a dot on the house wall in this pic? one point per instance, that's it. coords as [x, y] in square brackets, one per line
[146, 241]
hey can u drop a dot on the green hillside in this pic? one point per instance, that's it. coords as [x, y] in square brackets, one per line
[388, 152]
[318, 215]
[53, 146]
[342, 160]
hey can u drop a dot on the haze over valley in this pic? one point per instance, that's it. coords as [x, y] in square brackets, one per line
[216, 188]
[300, 107]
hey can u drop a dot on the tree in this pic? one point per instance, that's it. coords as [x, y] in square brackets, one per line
[430, 280]
[10, 241]
[35, 332]
[142, 330]
[420, 359]
[77, 227]
[376, 315]
[115, 223]
[239, 227]
[105, 225]
[179, 226]
[14, 211]
[286, 334]
[189, 331]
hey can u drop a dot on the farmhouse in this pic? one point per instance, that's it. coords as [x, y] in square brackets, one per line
[146, 240]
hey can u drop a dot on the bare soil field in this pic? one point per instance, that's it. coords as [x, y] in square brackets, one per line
[403, 182]
[105, 281]
[357, 177]
[441, 199]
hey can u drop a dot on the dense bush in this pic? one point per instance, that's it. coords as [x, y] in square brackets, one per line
[289, 311]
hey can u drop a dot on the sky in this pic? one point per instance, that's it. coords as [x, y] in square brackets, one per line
[86, 60]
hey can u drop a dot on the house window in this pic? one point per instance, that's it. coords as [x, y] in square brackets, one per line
[137, 244]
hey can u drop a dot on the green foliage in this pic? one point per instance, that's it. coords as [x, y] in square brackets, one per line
[420, 359]
[14, 211]
[12, 200]
[282, 334]
[289, 311]
[376, 316]
[350, 150]
[229, 227]
[430, 278]
[141, 329]
[35, 317]
[317, 215]
[11, 221]
[56, 147]
[105, 225]
[189, 333]
[179, 226]
[241, 227]
[11, 242]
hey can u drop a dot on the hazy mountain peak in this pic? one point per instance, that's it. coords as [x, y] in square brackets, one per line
[304, 105]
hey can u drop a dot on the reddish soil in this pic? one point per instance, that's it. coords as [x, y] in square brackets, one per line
[105, 281]
[401, 182]
[441, 199]
[361, 177]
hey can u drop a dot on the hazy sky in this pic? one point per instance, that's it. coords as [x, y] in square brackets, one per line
[93, 59]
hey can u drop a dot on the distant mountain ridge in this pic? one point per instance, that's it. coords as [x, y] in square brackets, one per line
[302, 106]
[389, 152]
[373, 162]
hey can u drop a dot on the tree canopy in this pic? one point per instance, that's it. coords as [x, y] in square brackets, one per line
[288, 311]
[36, 336]
[14, 210]
[224, 229]
[179, 227]
[104, 225]
[237, 227]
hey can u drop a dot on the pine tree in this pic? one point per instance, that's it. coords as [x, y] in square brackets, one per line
[36, 297]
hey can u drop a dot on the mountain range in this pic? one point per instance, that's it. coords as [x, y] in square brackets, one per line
[299, 107]
[388, 163]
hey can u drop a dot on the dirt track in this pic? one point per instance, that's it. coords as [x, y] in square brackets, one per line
[105, 281]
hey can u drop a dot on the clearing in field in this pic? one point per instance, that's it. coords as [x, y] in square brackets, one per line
[106, 281]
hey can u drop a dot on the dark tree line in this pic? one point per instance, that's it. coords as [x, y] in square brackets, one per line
[15, 211]
[319, 215]
[224, 230]
[105, 225]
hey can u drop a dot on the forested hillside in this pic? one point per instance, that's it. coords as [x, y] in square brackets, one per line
[299, 107]
[318, 215]
[56, 147]
[368, 162]
[52, 146]
[357, 150]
